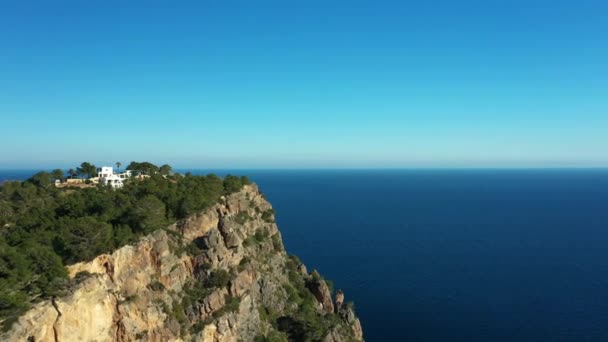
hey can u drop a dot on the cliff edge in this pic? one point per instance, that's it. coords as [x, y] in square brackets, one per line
[220, 275]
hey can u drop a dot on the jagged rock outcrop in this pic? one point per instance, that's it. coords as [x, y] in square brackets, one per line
[321, 291]
[221, 275]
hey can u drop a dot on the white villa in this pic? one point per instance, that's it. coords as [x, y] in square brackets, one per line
[108, 177]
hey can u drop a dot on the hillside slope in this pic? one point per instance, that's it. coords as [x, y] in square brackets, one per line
[220, 275]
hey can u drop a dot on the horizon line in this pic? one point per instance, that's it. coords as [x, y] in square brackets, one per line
[397, 168]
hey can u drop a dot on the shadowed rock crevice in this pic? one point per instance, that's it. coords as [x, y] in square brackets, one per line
[55, 335]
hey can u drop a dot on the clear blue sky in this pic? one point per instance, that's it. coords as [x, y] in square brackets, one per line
[296, 83]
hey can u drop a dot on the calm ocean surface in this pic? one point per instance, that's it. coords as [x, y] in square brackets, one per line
[453, 255]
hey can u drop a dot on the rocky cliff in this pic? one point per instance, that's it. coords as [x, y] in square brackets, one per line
[221, 275]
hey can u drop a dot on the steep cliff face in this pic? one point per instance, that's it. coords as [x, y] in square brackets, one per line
[222, 275]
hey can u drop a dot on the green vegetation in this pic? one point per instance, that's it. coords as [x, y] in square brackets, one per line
[57, 174]
[268, 215]
[243, 264]
[305, 323]
[43, 228]
[178, 312]
[276, 243]
[234, 183]
[270, 316]
[81, 276]
[257, 238]
[192, 293]
[318, 277]
[165, 170]
[232, 305]
[128, 299]
[156, 286]
[242, 217]
[218, 278]
[87, 169]
[260, 235]
[144, 168]
[273, 336]
[197, 327]
[141, 335]
[193, 249]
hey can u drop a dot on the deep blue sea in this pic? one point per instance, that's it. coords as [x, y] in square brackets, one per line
[453, 255]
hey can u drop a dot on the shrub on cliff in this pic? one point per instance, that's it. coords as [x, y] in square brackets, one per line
[268, 215]
[219, 278]
[273, 336]
[242, 217]
[234, 183]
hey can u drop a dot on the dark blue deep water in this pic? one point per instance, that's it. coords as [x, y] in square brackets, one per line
[455, 255]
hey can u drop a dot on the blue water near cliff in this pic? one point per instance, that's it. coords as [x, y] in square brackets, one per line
[455, 255]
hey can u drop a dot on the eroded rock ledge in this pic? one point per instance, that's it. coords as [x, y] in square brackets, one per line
[221, 275]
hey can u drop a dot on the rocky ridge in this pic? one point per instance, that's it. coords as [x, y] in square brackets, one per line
[220, 275]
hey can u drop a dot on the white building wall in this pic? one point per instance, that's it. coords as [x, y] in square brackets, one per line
[108, 177]
[105, 171]
[114, 181]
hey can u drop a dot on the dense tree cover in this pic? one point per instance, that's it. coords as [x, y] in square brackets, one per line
[165, 169]
[87, 169]
[145, 168]
[58, 174]
[44, 178]
[43, 228]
